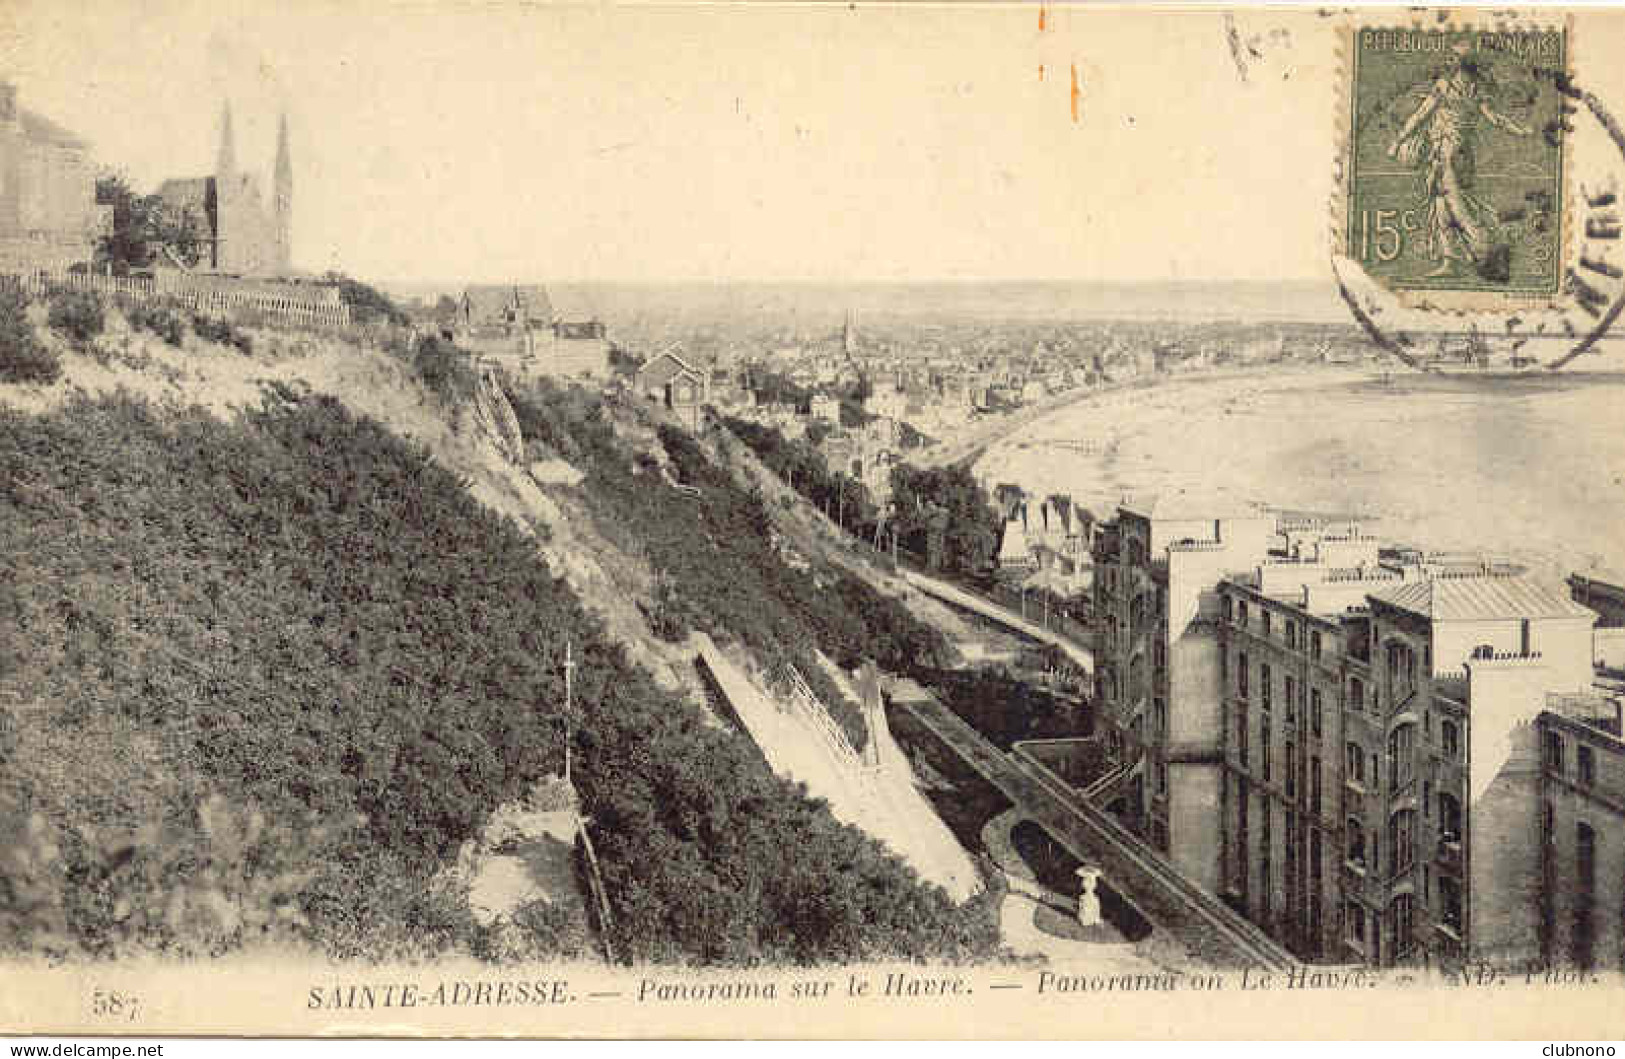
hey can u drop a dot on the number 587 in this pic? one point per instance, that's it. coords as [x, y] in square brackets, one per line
[111, 1004]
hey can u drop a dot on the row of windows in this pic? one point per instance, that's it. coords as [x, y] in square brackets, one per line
[1363, 926]
[1582, 932]
[1294, 693]
[1401, 843]
[1360, 924]
[1585, 759]
[1297, 638]
[1401, 743]
[1310, 777]
[1402, 668]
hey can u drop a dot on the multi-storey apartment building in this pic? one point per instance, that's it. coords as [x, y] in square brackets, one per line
[1582, 819]
[1382, 766]
[1291, 654]
[1157, 568]
[1374, 754]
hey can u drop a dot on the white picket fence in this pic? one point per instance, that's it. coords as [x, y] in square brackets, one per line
[220, 296]
[812, 711]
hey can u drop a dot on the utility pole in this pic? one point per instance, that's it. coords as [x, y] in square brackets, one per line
[569, 701]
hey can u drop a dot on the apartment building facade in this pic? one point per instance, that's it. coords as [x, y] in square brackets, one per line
[1382, 768]
[1374, 754]
[1157, 567]
[1292, 658]
[1582, 824]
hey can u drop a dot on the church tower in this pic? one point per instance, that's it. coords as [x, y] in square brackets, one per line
[226, 230]
[226, 165]
[282, 203]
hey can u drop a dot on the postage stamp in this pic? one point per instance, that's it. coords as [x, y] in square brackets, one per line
[1455, 165]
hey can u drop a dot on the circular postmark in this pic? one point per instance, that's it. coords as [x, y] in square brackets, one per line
[1477, 196]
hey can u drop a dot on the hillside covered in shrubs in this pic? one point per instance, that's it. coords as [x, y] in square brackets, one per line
[714, 548]
[260, 679]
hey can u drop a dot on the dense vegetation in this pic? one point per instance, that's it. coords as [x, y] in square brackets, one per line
[77, 316]
[944, 515]
[262, 679]
[23, 358]
[142, 226]
[1006, 708]
[446, 370]
[224, 332]
[799, 463]
[715, 552]
[165, 321]
[368, 304]
[771, 387]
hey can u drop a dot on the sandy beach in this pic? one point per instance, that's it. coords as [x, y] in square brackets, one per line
[1530, 468]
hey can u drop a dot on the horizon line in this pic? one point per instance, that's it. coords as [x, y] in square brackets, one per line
[673, 281]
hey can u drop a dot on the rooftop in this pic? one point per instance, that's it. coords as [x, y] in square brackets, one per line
[493, 302]
[1446, 598]
[1592, 708]
[185, 191]
[40, 129]
[1183, 505]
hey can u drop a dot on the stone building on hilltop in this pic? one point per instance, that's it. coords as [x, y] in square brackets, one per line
[242, 232]
[49, 219]
[517, 327]
[500, 306]
[681, 387]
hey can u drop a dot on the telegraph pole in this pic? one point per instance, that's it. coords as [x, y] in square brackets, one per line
[569, 699]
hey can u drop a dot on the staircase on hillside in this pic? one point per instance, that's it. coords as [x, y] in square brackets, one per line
[1109, 784]
[496, 416]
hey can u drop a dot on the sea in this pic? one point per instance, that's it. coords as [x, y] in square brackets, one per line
[1531, 468]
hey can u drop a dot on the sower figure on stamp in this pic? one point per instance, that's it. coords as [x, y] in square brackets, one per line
[1439, 136]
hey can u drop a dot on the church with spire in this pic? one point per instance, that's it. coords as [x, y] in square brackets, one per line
[241, 230]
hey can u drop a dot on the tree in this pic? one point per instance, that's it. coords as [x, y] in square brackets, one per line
[22, 357]
[77, 315]
[623, 363]
[852, 412]
[442, 367]
[142, 226]
[947, 514]
[367, 304]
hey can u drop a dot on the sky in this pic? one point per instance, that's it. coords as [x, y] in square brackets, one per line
[495, 142]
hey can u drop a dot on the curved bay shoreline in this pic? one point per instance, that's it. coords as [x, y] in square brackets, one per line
[1526, 468]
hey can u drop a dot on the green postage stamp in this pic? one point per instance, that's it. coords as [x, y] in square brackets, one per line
[1455, 161]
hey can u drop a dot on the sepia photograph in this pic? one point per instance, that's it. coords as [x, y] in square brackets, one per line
[811, 520]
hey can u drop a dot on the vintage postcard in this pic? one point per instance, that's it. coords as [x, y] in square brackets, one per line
[805, 520]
